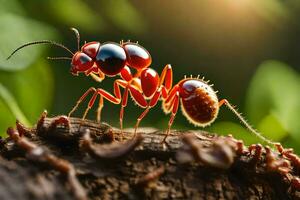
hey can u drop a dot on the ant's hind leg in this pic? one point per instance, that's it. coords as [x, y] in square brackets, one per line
[243, 121]
[92, 89]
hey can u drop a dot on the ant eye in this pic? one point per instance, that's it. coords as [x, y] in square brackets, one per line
[137, 56]
[81, 62]
[111, 59]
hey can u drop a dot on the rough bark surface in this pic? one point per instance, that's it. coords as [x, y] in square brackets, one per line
[150, 171]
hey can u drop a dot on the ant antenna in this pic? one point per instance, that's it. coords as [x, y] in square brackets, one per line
[40, 42]
[248, 126]
[77, 36]
[59, 58]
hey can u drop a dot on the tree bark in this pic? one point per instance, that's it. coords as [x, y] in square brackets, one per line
[108, 168]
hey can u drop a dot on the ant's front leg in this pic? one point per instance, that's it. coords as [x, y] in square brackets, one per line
[91, 89]
[114, 99]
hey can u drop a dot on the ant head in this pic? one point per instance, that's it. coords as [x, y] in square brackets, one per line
[81, 62]
[137, 56]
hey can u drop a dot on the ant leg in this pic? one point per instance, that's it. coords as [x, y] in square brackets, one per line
[90, 105]
[139, 119]
[243, 120]
[99, 109]
[137, 97]
[99, 77]
[108, 96]
[171, 95]
[92, 89]
[169, 100]
[151, 104]
[124, 104]
[102, 93]
[174, 111]
[166, 77]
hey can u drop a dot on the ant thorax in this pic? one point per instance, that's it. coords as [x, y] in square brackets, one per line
[199, 102]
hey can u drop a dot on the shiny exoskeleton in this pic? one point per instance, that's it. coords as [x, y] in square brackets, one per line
[199, 102]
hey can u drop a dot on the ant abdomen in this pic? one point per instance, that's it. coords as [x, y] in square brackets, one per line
[199, 103]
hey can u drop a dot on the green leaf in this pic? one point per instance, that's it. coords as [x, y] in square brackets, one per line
[292, 143]
[15, 31]
[10, 111]
[272, 128]
[25, 93]
[274, 91]
[237, 130]
[7, 118]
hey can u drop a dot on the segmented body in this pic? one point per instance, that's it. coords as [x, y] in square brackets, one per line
[199, 102]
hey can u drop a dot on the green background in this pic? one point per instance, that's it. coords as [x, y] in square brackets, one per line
[249, 49]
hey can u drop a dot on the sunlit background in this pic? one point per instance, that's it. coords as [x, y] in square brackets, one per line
[249, 49]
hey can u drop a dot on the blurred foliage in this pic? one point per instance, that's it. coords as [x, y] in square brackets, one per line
[12, 24]
[76, 13]
[273, 101]
[227, 41]
[272, 105]
[24, 94]
[26, 84]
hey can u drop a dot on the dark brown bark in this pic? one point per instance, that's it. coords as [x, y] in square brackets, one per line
[149, 171]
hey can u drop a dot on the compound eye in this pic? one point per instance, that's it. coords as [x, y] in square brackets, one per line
[81, 62]
[137, 56]
[111, 58]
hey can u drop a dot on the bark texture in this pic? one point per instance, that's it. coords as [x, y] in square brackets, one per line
[108, 168]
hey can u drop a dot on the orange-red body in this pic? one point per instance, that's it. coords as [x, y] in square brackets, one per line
[199, 102]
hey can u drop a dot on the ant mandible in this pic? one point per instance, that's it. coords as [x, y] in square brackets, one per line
[199, 102]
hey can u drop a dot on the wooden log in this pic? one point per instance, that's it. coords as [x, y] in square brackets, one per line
[192, 165]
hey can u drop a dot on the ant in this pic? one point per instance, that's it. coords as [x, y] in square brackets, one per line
[199, 102]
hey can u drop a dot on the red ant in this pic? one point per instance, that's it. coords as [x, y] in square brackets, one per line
[199, 102]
